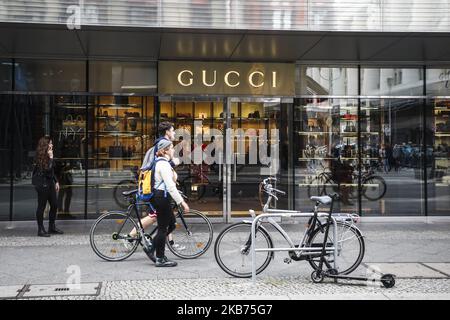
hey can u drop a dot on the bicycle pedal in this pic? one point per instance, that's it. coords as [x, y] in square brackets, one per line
[287, 260]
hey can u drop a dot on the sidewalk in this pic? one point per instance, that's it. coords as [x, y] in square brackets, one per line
[418, 253]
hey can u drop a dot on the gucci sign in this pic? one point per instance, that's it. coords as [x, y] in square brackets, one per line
[225, 78]
[231, 78]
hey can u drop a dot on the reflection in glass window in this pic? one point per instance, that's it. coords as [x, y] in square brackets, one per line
[50, 76]
[327, 81]
[392, 157]
[5, 75]
[326, 151]
[438, 120]
[122, 77]
[391, 82]
[5, 155]
[438, 82]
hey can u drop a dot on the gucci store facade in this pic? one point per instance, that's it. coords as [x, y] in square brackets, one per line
[377, 135]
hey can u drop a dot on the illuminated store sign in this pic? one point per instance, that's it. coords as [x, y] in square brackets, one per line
[175, 77]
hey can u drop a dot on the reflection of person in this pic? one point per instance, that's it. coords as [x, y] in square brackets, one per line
[341, 171]
[384, 155]
[46, 185]
[65, 179]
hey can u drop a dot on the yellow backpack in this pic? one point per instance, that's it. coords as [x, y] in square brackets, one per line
[146, 182]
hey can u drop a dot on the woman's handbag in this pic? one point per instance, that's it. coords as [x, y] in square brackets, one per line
[38, 178]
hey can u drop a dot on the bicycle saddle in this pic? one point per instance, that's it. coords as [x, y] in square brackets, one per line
[323, 200]
[129, 193]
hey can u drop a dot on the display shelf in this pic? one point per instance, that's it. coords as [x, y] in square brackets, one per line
[74, 105]
[119, 106]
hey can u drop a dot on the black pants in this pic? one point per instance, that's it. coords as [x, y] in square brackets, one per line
[165, 219]
[44, 195]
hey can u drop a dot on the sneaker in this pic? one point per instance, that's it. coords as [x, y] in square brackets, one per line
[127, 243]
[164, 262]
[178, 247]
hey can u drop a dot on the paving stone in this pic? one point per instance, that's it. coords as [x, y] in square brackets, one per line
[405, 270]
[9, 291]
[442, 267]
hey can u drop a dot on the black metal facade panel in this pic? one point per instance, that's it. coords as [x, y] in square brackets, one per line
[307, 15]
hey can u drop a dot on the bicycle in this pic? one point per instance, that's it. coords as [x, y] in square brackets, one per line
[233, 244]
[110, 240]
[373, 187]
[123, 186]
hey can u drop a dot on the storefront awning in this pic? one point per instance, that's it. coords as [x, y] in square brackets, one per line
[151, 44]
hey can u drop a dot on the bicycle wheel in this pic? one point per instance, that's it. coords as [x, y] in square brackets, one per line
[350, 247]
[317, 186]
[193, 188]
[374, 188]
[194, 241]
[233, 254]
[124, 185]
[109, 236]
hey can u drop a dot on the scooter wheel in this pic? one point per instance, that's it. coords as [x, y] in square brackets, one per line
[317, 276]
[388, 280]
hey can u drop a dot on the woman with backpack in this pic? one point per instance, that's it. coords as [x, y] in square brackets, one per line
[165, 188]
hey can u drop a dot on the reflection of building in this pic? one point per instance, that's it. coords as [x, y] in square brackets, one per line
[360, 85]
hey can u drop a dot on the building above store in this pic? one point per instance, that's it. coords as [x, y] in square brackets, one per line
[293, 15]
[22, 40]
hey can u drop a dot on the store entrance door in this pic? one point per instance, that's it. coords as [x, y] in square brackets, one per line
[200, 129]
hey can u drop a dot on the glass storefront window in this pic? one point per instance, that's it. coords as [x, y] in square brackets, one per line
[327, 81]
[122, 77]
[50, 75]
[326, 151]
[327, 156]
[121, 131]
[392, 82]
[62, 119]
[438, 131]
[5, 156]
[392, 157]
[5, 75]
[438, 82]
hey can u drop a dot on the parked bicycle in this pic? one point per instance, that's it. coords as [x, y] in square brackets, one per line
[110, 240]
[233, 244]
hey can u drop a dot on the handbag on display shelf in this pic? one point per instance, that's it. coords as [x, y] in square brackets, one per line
[112, 125]
[80, 123]
[69, 122]
[121, 100]
[116, 151]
